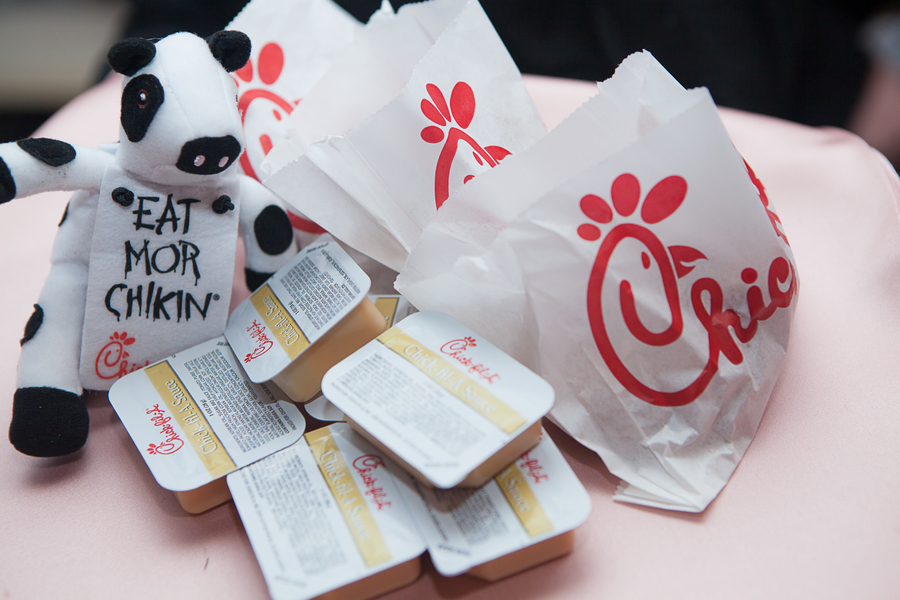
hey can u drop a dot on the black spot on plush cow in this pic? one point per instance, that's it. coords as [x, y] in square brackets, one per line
[143, 262]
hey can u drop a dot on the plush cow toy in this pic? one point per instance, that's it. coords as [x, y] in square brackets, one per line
[143, 262]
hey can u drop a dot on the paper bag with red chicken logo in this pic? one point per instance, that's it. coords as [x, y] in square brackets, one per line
[461, 110]
[637, 264]
[294, 43]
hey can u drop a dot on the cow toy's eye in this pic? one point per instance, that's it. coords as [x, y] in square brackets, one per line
[141, 99]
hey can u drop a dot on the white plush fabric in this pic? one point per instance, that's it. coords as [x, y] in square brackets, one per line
[143, 264]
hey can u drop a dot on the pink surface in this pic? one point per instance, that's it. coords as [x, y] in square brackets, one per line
[813, 511]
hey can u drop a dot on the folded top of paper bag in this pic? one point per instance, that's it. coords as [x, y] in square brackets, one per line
[294, 44]
[463, 108]
[367, 74]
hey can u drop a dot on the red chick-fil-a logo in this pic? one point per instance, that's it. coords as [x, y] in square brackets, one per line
[257, 332]
[455, 349]
[461, 110]
[706, 295]
[172, 441]
[269, 68]
[764, 198]
[366, 465]
[111, 361]
[533, 466]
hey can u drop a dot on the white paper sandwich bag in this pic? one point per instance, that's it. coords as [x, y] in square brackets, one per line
[294, 43]
[636, 263]
[463, 109]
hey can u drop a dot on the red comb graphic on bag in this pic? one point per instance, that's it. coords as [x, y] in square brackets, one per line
[255, 84]
[460, 110]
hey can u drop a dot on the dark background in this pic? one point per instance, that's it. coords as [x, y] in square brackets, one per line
[795, 59]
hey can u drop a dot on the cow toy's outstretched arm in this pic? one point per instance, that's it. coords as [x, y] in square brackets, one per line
[36, 165]
[267, 232]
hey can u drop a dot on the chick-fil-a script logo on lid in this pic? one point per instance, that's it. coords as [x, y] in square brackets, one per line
[257, 332]
[706, 294]
[533, 467]
[172, 441]
[455, 349]
[366, 466]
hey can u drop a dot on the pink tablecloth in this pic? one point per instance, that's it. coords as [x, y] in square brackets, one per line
[812, 512]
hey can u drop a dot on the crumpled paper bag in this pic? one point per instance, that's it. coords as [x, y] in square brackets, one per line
[366, 76]
[632, 258]
[294, 43]
[462, 109]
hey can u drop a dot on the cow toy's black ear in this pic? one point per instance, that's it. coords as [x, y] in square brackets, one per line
[131, 55]
[230, 48]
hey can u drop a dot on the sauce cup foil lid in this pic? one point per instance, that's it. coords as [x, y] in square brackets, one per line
[535, 498]
[195, 416]
[295, 307]
[324, 513]
[439, 396]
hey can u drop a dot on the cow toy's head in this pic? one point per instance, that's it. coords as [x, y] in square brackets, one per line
[179, 120]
